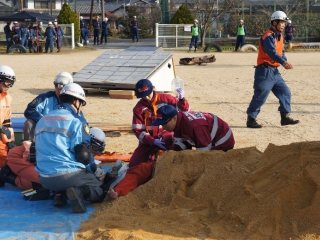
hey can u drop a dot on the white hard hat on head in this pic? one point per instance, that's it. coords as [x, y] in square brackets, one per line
[7, 73]
[241, 20]
[81, 17]
[196, 21]
[106, 19]
[98, 139]
[74, 90]
[63, 78]
[289, 21]
[49, 23]
[279, 15]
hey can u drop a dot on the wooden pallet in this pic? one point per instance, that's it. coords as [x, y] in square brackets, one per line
[122, 94]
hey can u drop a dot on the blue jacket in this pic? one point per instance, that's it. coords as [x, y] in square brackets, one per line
[57, 134]
[42, 105]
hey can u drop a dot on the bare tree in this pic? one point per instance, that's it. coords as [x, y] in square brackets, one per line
[208, 11]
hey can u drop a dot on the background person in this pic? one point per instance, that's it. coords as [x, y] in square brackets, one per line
[289, 31]
[104, 31]
[8, 33]
[134, 26]
[50, 35]
[194, 36]
[267, 77]
[96, 30]
[59, 36]
[241, 33]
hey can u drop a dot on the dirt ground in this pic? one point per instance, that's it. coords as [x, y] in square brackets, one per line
[225, 89]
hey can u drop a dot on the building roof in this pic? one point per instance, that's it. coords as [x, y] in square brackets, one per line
[27, 17]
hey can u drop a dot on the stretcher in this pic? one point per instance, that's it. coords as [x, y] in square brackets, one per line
[113, 156]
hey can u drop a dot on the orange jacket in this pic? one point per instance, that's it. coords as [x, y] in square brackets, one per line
[5, 120]
[263, 57]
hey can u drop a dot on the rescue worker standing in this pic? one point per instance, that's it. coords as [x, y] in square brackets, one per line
[7, 79]
[61, 157]
[43, 104]
[201, 130]
[267, 76]
[50, 35]
[151, 138]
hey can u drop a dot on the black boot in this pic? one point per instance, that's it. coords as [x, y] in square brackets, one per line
[286, 120]
[7, 176]
[252, 123]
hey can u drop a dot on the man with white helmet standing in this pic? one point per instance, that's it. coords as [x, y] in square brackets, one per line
[7, 79]
[104, 31]
[50, 35]
[267, 76]
[61, 153]
[44, 103]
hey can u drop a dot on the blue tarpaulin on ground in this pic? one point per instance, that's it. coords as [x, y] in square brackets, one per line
[36, 220]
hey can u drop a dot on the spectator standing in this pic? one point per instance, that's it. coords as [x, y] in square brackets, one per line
[50, 35]
[134, 29]
[194, 36]
[38, 32]
[60, 34]
[104, 30]
[96, 30]
[289, 31]
[8, 33]
[24, 35]
[241, 33]
[32, 39]
[16, 32]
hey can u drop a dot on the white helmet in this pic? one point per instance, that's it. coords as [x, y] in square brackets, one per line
[63, 78]
[289, 21]
[74, 90]
[7, 73]
[279, 15]
[106, 19]
[49, 23]
[98, 139]
[81, 17]
[196, 21]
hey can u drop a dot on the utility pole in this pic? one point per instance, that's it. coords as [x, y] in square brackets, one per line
[307, 27]
[102, 10]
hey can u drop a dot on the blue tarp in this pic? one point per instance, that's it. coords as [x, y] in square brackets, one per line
[36, 220]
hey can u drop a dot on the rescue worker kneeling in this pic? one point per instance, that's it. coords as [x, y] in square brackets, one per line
[200, 130]
[62, 164]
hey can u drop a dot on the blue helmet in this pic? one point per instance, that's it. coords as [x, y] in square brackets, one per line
[143, 88]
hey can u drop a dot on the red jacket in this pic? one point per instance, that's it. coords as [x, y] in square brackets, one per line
[145, 112]
[203, 131]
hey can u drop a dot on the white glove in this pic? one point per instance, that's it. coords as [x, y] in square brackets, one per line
[160, 144]
[180, 92]
[100, 174]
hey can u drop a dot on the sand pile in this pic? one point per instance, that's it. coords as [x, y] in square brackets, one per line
[241, 194]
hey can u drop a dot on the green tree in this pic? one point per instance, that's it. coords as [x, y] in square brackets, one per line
[67, 16]
[182, 16]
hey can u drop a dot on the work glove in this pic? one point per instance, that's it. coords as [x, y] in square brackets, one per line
[160, 144]
[180, 92]
[100, 174]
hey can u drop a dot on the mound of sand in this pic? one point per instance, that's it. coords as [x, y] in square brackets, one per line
[241, 194]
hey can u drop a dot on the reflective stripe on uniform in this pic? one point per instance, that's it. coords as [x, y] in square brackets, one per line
[54, 130]
[223, 139]
[141, 136]
[179, 142]
[138, 126]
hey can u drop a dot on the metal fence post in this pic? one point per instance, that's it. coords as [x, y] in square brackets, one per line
[157, 34]
[72, 36]
[176, 36]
